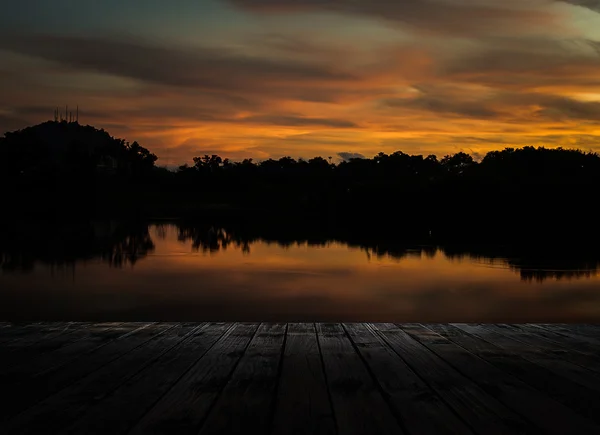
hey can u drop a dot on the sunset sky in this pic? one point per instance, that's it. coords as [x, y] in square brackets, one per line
[269, 78]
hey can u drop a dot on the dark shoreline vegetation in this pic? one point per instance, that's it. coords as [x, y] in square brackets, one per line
[527, 196]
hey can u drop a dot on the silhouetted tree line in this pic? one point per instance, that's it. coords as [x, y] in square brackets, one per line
[527, 193]
[535, 192]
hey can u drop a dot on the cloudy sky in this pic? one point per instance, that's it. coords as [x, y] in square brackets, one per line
[268, 78]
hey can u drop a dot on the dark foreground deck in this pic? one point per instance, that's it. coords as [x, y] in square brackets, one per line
[167, 378]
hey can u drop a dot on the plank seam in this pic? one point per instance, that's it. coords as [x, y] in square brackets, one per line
[383, 393]
[182, 342]
[143, 367]
[66, 327]
[547, 342]
[51, 351]
[448, 404]
[54, 368]
[507, 403]
[279, 371]
[557, 399]
[335, 422]
[218, 396]
[180, 377]
[27, 408]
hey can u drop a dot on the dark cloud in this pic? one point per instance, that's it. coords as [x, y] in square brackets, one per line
[439, 104]
[349, 156]
[501, 105]
[297, 46]
[433, 16]
[149, 111]
[298, 121]
[183, 67]
[590, 4]
[527, 64]
[567, 108]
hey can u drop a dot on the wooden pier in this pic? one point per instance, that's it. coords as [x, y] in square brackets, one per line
[299, 378]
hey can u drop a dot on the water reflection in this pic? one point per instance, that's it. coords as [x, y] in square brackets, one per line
[60, 245]
[181, 271]
[532, 263]
[119, 244]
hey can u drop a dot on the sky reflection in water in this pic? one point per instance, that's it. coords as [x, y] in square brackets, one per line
[179, 278]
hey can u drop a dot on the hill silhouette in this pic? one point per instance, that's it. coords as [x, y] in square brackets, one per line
[527, 194]
[59, 148]
[61, 167]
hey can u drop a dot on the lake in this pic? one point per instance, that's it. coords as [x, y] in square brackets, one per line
[168, 271]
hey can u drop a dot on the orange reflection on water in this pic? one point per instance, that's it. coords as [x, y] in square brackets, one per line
[301, 282]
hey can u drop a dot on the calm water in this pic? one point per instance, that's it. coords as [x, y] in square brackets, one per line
[103, 271]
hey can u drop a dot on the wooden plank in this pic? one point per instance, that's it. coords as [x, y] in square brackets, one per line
[36, 334]
[578, 397]
[588, 343]
[58, 411]
[358, 405]
[249, 395]
[16, 331]
[95, 338]
[580, 350]
[20, 396]
[122, 409]
[535, 351]
[545, 413]
[57, 337]
[420, 408]
[14, 359]
[183, 409]
[482, 412]
[303, 406]
[572, 330]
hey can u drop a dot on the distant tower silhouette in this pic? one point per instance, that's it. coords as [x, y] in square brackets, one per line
[68, 116]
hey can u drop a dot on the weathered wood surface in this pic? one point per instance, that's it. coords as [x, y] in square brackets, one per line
[299, 378]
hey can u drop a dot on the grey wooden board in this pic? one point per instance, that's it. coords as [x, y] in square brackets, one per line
[303, 406]
[548, 415]
[576, 330]
[34, 358]
[482, 412]
[58, 411]
[583, 351]
[14, 331]
[579, 351]
[578, 397]
[22, 395]
[42, 334]
[139, 393]
[249, 395]
[419, 407]
[536, 351]
[51, 361]
[358, 404]
[185, 407]
[579, 333]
